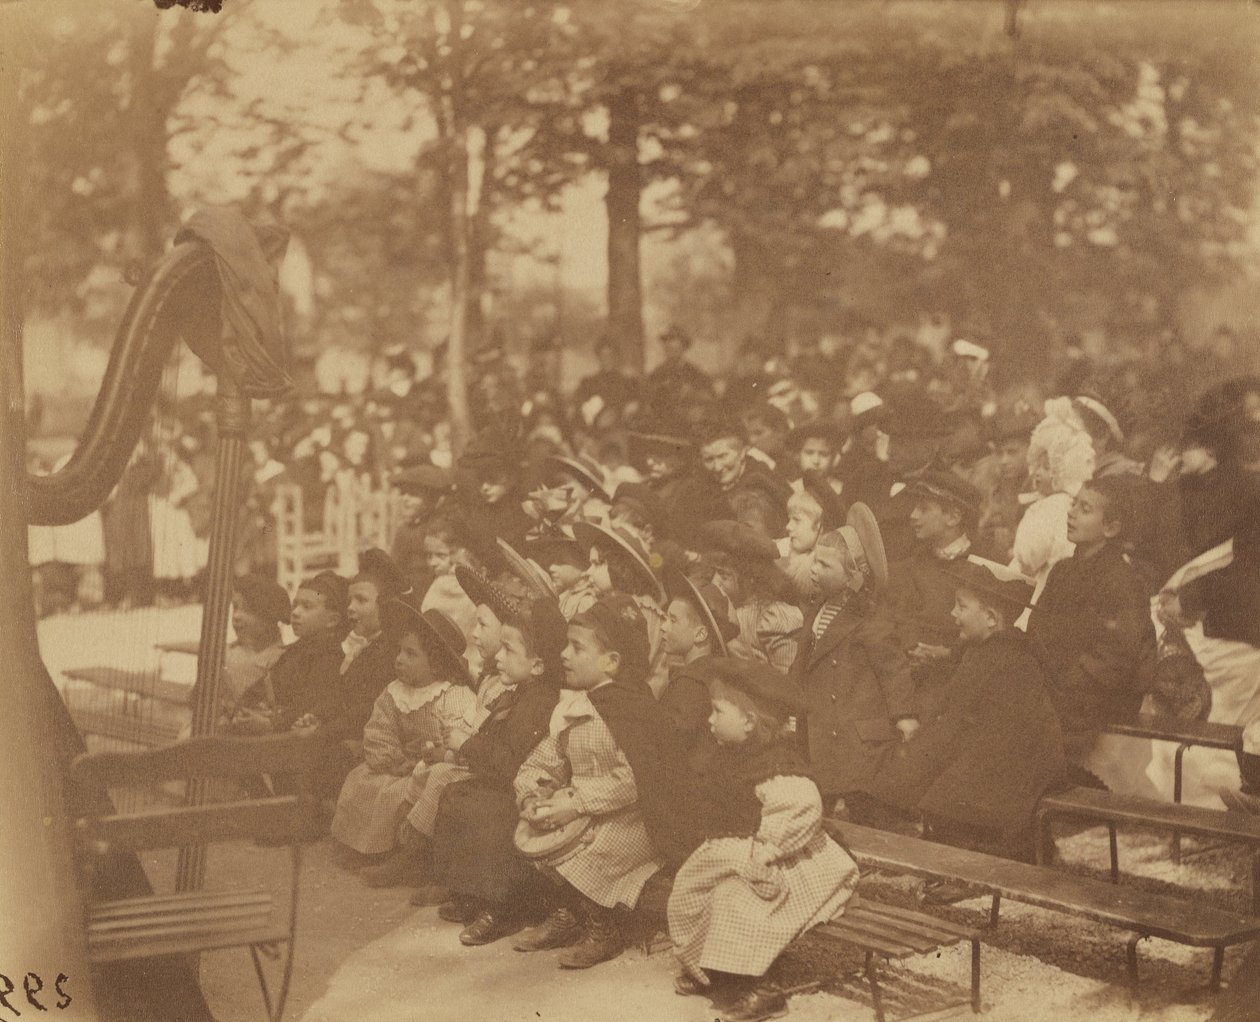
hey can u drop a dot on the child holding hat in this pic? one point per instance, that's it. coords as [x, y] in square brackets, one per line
[767, 872]
[858, 694]
[415, 721]
[990, 744]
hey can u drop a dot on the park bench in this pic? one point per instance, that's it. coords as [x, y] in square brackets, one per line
[879, 931]
[1184, 734]
[189, 922]
[142, 683]
[128, 721]
[1111, 810]
[1141, 913]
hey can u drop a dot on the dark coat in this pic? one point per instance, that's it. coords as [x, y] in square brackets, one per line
[345, 712]
[1216, 507]
[1092, 632]
[685, 702]
[473, 850]
[857, 685]
[303, 678]
[988, 749]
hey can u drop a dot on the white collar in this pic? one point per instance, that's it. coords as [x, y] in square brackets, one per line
[409, 699]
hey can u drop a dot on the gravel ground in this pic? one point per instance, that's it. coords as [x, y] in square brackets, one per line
[366, 954]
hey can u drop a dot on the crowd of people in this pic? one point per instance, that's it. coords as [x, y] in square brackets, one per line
[640, 642]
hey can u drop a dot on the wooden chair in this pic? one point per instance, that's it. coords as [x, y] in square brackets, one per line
[204, 920]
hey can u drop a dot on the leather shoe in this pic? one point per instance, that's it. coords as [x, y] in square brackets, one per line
[486, 929]
[602, 942]
[560, 929]
[686, 985]
[759, 1003]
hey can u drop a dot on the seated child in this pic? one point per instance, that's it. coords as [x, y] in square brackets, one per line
[411, 727]
[858, 694]
[493, 606]
[990, 744]
[813, 510]
[1091, 628]
[306, 672]
[444, 548]
[366, 667]
[565, 560]
[767, 872]
[607, 757]
[492, 888]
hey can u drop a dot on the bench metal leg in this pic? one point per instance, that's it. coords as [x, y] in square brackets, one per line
[993, 909]
[1045, 843]
[1132, 961]
[975, 977]
[1177, 761]
[873, 979]
[1255, 883]
[1115, 854]
[1218, 960]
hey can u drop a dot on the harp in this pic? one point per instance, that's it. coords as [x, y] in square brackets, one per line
[216, 291]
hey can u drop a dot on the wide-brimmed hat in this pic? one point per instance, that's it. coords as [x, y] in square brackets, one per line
[611, 537]
[482, 590]
[991, 581]
[779, 693]
[264, 597]
[818, 487]
[865, 544]
[738, 539]
[440, 635]
[587, 473]
[533, 575]
[710, 603]
[379, 567]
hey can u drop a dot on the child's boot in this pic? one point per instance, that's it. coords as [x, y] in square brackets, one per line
[560, 929]
[763, 1001]
[603, 940]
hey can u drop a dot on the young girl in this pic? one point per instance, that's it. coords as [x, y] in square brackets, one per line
[767, 872]
[619, 563]
[414, 723]
[444, 548]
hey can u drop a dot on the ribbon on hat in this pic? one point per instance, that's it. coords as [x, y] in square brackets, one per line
[853, 544]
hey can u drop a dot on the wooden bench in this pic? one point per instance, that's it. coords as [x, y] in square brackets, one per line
[879, 931]
[195, 921]
[1141, 913]
[1111, 810]
[1184, 734]
[121, 727]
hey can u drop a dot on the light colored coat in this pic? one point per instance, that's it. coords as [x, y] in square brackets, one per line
[729, 913]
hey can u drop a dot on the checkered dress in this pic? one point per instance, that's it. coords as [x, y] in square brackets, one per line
[728, 913]
[615, 857]
[373, 799]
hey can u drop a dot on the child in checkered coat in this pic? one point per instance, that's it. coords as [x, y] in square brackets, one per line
[424, 713]
[767, 872]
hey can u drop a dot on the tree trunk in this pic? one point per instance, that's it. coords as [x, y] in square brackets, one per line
[457, 176]
[479, 246]
[147, 113]
[625, 295]
[753, 291]
[43, 917]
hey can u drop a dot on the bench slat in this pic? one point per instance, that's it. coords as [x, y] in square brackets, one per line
[176, 902]
[178, 945]
[911, 928]
[145, 683]
[284, 817]
[944, 926]
[1138, 911]
[1108, 806]
[228, 916]
[123, 728]
[910, 943]
[867, 941]
[1170, 729]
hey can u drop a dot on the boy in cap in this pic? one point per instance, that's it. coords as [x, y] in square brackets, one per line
[990, 745]
[944, 514]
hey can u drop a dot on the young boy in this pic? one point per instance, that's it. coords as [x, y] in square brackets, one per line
[698, 626]
[444, 548]
[583, 768]
[990, 744]
[858, 693]
[492, 888]
[812, 510]
[565, 561]
[307, 671]
[1091, 629]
